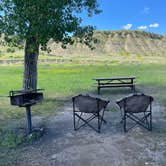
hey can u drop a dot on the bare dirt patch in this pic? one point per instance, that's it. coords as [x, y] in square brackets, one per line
[62, 146]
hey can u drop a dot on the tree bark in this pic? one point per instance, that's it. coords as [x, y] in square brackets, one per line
[30, 64]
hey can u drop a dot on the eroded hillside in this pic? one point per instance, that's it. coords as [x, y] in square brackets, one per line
[119, 43]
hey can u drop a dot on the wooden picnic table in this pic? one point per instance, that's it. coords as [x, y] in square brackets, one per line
[115, 82]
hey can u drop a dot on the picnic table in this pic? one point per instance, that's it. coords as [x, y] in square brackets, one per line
[115, 82]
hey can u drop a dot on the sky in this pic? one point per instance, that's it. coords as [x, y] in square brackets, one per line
[147, 15]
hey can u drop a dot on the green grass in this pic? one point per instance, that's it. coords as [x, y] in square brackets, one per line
[66, 80]
[61, 81]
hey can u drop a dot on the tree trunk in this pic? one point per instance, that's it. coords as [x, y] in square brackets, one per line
[30, 64]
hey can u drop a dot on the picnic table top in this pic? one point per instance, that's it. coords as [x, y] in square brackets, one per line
[115, 78]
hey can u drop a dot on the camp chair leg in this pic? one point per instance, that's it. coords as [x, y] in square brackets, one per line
[74, 121]
[124, 122]
[102, 119]
[146, 119]
[150, 123]
[98, 122]
[150, 117]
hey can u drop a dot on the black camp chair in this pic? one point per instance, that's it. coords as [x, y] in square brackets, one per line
[87, 108]
[138, 108]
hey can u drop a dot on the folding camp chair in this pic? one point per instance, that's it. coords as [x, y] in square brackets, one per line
[87, 108]
[138, 108]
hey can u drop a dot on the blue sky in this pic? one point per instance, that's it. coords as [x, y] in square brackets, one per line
[148, 15]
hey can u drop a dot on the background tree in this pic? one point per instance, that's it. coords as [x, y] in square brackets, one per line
[38, 21]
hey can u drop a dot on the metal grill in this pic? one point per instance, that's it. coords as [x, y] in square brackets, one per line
[26, 98]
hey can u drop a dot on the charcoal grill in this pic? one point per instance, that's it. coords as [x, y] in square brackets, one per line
[26, 98]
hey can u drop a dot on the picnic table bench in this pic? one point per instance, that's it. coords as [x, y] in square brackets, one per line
[115, 82]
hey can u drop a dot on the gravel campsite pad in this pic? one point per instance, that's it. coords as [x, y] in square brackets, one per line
[62, 146]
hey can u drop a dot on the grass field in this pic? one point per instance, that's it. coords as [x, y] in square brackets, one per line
[63, 81]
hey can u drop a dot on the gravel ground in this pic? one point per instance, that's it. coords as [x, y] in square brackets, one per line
[62, 146]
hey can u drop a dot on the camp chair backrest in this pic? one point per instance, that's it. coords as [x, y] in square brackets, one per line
[89, 104]
[135, 103]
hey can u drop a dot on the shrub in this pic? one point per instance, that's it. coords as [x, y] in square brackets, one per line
[11, 50]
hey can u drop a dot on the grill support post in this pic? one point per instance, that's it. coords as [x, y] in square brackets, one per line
[29, 121]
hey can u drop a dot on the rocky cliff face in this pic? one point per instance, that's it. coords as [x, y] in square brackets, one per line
[135, 42]
[119, 43]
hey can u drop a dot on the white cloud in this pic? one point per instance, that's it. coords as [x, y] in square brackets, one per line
[155, 25]
[142, 27]
[127, 26]
[146, 10]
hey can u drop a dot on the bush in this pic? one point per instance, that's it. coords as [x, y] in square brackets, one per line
[11, 50]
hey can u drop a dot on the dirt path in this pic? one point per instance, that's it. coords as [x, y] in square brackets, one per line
[62, 146]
